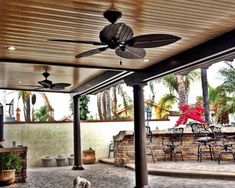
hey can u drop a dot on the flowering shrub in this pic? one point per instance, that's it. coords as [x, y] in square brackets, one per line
[195, 113]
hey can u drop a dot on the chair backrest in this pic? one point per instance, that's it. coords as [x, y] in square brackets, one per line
[177, 134]
[217, 133]
[149, 134]
[199, 129]
[215, 129]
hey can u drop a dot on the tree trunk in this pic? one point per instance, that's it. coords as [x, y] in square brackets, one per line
[28, 110]
[223, 118]
[99, 106]
[182, 89]
[114, 103]
[205, 95]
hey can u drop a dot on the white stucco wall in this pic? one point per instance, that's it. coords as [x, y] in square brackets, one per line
[52, 139]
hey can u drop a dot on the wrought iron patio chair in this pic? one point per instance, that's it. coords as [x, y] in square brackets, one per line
[149, 146]
[173, 147]
[203, 140]
[223, 142]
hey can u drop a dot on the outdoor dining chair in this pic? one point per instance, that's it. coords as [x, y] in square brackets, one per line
[149, 146]
[173, 147]
[203, 140]
[223, 142]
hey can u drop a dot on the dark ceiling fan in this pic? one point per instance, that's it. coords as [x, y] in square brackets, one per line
[48, 84]
[119, 36]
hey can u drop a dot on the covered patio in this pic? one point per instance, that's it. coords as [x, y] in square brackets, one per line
[48, 37]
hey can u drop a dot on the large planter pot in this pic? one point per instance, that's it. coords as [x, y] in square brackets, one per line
[46, 162]
[60, 161]
[7, 177]
[88, 157]
[71, 160]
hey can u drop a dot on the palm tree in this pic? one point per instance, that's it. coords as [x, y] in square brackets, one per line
[205, 98]
[228, 75]
[222, 97]
[164, 105]
[49, 108]
[25, 95]
[126, 100]
[104, 105]
[219, 101]
[180, 83]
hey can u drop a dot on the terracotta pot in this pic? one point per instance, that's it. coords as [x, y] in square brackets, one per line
[7, 177]
[89, 157]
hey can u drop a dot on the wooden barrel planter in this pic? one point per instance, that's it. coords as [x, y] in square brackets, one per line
[89, 156]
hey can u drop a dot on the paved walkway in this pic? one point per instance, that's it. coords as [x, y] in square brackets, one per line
[206, 169]
[109, 176]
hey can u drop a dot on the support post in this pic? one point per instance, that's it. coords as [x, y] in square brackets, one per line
[77, 135]
[205, 94]
[1, 124]
[141, 172]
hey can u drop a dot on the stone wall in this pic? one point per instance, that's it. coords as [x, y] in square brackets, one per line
[21, 175]
[124, 148]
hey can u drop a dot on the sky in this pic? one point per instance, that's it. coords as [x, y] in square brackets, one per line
[60, 102]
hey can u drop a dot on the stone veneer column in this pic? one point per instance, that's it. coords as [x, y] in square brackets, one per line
[77, 135]
[141, 172]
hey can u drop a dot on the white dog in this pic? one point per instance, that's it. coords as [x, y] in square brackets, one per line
[84, 183]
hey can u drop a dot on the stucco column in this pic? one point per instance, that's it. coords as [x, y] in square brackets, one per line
[205, 94]
[141, 173]
[77, 135]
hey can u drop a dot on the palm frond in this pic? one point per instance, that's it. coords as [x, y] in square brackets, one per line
[165, 104]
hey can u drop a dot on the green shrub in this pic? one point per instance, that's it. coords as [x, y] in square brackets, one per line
[10, 161]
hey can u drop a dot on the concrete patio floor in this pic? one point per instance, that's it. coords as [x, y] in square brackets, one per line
[109, 176]
[191, 169]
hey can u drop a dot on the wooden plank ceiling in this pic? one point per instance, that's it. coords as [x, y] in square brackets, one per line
[28, 24]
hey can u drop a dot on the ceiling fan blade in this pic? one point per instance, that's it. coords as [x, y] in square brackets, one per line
[76, 41]
[28, 85]
[45, 83]
[91, 52]
[130, 52]
[152, 40]
[60, 85]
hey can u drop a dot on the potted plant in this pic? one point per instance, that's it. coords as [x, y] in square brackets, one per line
[9, 163]
[71, 160]
[60, 160]
[89, 156]
[46, 161]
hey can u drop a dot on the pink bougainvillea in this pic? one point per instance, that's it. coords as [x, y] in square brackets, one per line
[195, 113]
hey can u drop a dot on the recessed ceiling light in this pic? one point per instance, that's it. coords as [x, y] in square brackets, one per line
[20, 82]
[146, 60]
[11, 48]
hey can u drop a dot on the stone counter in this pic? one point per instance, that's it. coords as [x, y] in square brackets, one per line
[124, 151]
[21, 175]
